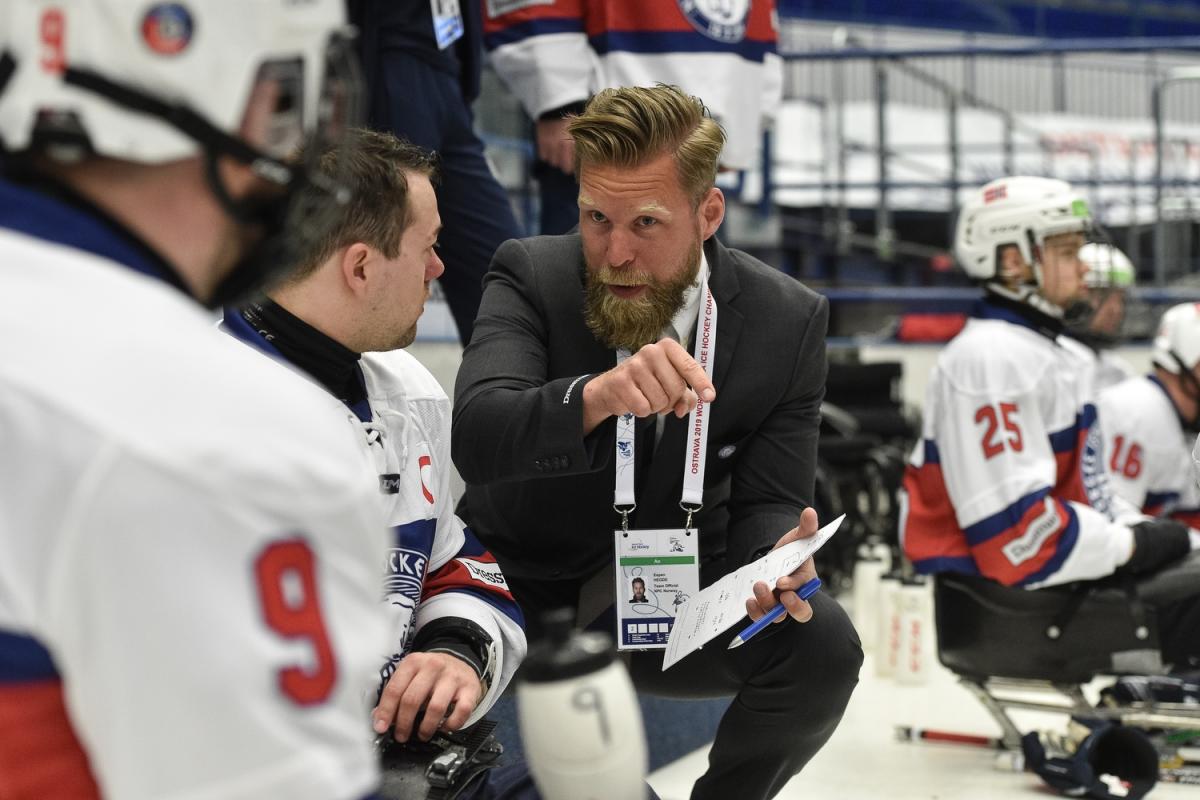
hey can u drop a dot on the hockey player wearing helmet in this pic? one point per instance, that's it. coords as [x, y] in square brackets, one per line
[1107, 281]
[1151, 420]
[1009, 480]
[189, 542]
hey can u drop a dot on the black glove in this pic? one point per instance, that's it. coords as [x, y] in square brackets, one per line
[1157, 543]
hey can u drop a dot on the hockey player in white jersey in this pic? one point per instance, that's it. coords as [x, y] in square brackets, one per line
[1008, 480]
[343, 318]
[1096, 334]
[189, 546]
[1150, 423]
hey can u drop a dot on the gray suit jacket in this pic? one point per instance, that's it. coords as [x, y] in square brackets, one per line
[539, 493]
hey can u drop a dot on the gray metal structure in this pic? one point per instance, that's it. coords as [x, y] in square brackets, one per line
[1120, 79]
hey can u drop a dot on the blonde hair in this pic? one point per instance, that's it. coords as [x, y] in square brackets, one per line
[629, 126]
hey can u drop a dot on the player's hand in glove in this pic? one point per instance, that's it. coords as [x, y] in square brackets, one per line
[1157, 543]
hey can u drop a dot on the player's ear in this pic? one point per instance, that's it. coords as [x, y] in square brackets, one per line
[355, 267]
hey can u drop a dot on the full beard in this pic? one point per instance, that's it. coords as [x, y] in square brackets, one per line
[630, 324]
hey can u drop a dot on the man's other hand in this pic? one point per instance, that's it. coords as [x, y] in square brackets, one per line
[554, 145]
[785, 588]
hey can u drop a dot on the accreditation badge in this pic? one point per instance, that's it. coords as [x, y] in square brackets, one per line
[447, 22]
[657, 571]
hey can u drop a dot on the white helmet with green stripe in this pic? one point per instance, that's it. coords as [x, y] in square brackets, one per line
[1021, 211]
[1107, 267]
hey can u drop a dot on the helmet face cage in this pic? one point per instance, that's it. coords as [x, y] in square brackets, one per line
[311, 199]
[1107, 281]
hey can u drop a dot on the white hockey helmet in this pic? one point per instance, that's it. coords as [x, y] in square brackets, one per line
[202, 57]
[1022, 211]
[1177, 345]
[153, 82]
[1107, 267]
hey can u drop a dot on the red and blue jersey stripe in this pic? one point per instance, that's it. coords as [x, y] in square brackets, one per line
[455, 576]
[41, 758]
[935, 542]
[631, 26]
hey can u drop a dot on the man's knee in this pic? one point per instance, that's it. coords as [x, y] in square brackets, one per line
[825, 654]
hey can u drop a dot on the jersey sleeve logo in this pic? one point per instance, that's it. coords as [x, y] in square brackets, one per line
[485, 572]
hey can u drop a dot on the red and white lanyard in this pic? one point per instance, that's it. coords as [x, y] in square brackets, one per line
[692, 500]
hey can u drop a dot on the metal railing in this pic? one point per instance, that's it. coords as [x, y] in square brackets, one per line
[1169, 193]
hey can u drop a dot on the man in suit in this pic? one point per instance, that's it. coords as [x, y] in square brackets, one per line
[576, 331]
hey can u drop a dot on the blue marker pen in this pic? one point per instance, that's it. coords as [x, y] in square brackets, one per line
[806, 591]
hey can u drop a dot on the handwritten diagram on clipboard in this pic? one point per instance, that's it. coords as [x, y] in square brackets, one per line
[714, 609]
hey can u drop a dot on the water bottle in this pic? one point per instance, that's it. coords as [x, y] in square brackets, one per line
[887, 640]
[916, 619]
[579, 717]
[867, 572]
[882, 552]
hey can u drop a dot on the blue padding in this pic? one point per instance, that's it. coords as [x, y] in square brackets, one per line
[43, 217]
[964, 565]
[1066, 440]
[1010, 17]
[676, 42]
[1161, 498]
[533, 27]
[23, 658]
[1001, 521]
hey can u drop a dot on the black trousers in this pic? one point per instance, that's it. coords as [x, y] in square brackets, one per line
[425, 106]
[790, 687]
[1175, 594]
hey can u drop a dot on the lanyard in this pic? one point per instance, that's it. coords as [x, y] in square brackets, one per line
[692, 500]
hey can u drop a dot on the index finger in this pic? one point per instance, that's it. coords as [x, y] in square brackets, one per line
[690, 371]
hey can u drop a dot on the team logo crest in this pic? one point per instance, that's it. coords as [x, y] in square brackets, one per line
[722, 20]
[167, 28]
[404, 574]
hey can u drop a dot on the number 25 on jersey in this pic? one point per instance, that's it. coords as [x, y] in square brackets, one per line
[995, 440]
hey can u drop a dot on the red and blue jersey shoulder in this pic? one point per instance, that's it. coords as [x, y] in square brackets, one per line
[669, 26]
[473, 570]
[40, 755]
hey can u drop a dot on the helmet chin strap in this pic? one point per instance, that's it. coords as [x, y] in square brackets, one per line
[1029, 295]
[277, 246]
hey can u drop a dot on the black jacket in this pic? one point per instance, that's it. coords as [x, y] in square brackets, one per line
[539, 494]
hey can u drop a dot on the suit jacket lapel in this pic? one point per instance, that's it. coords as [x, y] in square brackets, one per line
[725, 287]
